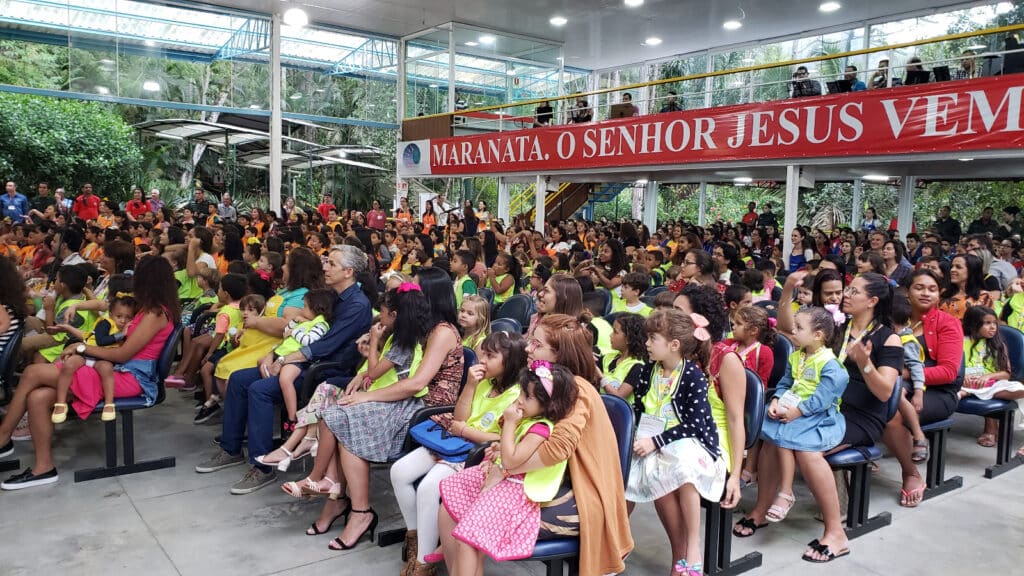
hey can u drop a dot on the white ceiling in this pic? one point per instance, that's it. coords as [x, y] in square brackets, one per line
[600, 33]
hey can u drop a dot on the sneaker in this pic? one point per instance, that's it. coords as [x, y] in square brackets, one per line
[28, 480]
[220, 461]
[253, 480]
[205, 413]
[7, 449]
[199, 404]
[21, 431]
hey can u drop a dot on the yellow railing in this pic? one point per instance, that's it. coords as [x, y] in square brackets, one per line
[523, 202]
[731, 71]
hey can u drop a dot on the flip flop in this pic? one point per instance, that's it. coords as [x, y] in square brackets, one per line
[826, 551]
[911, 498]
[987, 440]
[920, 453]
[749, 524]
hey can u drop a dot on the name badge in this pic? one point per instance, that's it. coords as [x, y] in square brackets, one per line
[487, 419]
[650, 426]
[11, 207]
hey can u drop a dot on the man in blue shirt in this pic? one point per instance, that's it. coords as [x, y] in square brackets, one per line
[15, 204]
[252, 393]
[851, 76]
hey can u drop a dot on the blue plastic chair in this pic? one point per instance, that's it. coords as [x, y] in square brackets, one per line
[718, 526]
[519, 307]
[8, 359]
[486, 294]
[856, 460]
[510, 325]
[558, 552]
[126, 408]
[1001, 410]
[781, 349]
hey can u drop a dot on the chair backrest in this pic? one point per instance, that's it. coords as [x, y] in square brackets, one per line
[647, 299]
[777, 293]
[606, 296]
[486, 294]
[1015, 349]
[8, 356]
[894, 401]
[621, 416]
[781, 349]
[468, 360]
[753, 409]
[610, 318]
[506, 324]
[163, 364]
[519, 308]
[655, 290]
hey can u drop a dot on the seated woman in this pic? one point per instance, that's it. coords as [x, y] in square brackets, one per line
[942, 338]
[134, 371]
[966, 286]
[594, 484]
[386, 412]
[490, 388]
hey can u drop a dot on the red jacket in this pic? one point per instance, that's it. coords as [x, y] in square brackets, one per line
[944, 338]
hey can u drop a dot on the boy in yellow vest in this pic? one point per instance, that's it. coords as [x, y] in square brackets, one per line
[633, 285]
[233, 287]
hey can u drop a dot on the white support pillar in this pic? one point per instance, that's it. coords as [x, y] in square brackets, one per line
[789, 218]
[504, 201]
[702, 204]
[905, 212]
[275, 114]
[540, 198]
[451, 68]
[649, 214]
[858, 191]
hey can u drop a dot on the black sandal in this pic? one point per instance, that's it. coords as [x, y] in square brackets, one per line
[749, 524]
[920, 453]
[314, 531]
[824, 550]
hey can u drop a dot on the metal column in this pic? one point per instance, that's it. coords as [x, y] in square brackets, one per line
[275, 114]
[504, 201]
[855, 216]
[905, 212]
[650, 206]
[789, 218]
[702, 204]
[540, 198]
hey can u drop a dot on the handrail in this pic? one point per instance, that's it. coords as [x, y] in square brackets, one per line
[731, 71]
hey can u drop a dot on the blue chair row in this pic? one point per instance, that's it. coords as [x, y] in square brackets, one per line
[126, 408]
[8, 359]
[520, 308]
[510, 325]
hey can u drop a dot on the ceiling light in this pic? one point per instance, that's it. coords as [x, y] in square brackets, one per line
[634, 3]
[254, 106]
[558, 21]
[652, 41]
[876, 177]
[150, 43]
[433, 85]
[748, 60]
[151, 86]
[102, 90]
[742, 180]
[296, 96]
[976, 47]
[732, 25]
[472, 43]
[487, 39]
[295, 17]
[511, 71]
[966, 159]
[641, 182]
[830, 6]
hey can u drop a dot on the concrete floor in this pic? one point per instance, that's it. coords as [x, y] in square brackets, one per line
[177, 522]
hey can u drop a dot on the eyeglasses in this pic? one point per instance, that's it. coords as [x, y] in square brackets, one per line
[689, 263]
[851, 291]
[535, 344]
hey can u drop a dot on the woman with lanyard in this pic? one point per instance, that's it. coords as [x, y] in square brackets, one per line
[873, 356]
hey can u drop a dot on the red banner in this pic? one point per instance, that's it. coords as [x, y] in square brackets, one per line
[983, 114]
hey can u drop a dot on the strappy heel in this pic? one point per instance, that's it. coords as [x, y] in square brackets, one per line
[314, 531]
[337, 544]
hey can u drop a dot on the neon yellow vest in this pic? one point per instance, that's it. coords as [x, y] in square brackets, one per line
[977, 360]
[541, 485]
[91, 338]
[604, 334]
[658, 400]
[188, 288]
[807, 373]
[615, 377]
[88, 321]
[291, 344]
[463, 286]
[391, 376]
[486, 410]
[500, 298]
[620, 306]
[234, 315]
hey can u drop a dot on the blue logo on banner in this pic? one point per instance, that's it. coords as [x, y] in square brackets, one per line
[411, 155]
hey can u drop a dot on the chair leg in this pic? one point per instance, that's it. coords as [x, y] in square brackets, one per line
[8, 465]
[718, 545]
[130, 466]
[857, 521]
[1006, 460]
[389, 537]
[936, 483]
[555, 567]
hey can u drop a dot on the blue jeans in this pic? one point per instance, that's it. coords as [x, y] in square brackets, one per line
[249, 403]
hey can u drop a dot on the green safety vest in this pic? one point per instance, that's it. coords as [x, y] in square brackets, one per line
[658, 400]
[806, 376]
[188, 288]
[1016, 317]
[541, 485]
[501, 297]
[486, 410]
[291, 344]
[620, 306]
[604, 334]
[977, 360]
[463, 286]
[391, 376]
[88, 322]
[615, 377]
[234, 315]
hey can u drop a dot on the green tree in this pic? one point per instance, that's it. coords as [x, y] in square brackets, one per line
[67, 143]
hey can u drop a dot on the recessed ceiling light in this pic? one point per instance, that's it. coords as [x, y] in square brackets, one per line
[295, 17]
[830, 6]
[732, 25]
[151, 86]
[634, 3]
[876, 177]
[511, 71]
[966, 159]
[254, 106]
[976, 47]
[742, 180]
[102, 90]
[641, 182]
[150, 43]
[433, 85]
[487, 39]
[296, 96]
[652, 41]
[748, 60]
[472, 43]
[558, 20]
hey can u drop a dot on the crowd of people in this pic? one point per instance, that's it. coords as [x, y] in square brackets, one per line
[391, 301]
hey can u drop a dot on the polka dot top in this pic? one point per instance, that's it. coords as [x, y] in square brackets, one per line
[690, 404]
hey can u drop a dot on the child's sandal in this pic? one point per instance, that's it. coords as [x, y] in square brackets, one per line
[109, 413]
[61, 416]
[778, 513]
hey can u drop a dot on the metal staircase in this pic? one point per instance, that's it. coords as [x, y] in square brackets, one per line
[572, 199]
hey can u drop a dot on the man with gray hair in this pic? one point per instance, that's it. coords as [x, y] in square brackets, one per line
[226, 210]
[252, 393]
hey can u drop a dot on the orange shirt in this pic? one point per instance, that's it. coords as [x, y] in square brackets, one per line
[429, 221]
[105, 221]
